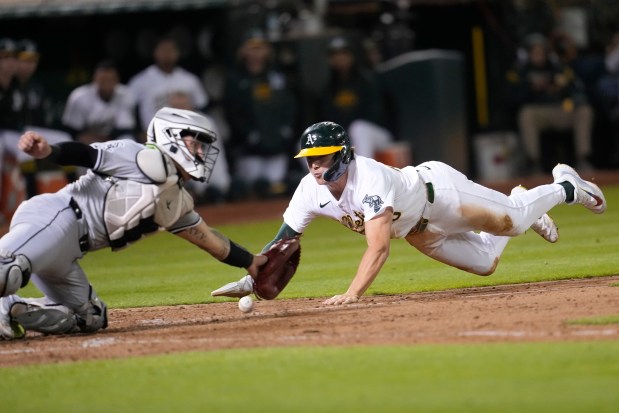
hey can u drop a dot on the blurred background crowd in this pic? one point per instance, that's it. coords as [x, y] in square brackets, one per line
[498, 89]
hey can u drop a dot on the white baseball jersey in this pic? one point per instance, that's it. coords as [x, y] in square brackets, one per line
[152, 88]
[86, 111]
[371, 188]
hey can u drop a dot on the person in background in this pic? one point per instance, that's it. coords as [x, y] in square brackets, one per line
[548, 96]
[12, 191]
[608, 91]
[219, 182]
[261, 111]
[102, 110]
[8, 69]
[153, 86]
[31, 110]
[30, 90]
[353, 100]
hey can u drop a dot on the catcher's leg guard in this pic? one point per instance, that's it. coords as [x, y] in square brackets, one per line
[92, 316]
[14, 272]
[47, 319]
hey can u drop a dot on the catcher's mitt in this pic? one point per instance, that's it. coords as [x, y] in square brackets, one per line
[284, 257]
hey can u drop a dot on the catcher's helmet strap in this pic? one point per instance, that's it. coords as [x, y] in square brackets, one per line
[318, 151]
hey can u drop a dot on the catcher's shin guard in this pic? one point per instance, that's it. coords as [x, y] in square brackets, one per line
[47, 319]
[92, 316]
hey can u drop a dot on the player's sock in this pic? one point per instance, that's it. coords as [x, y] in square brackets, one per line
[569, 191]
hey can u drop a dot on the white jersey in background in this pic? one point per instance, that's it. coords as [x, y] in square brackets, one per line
[152, 88]
[86, 111]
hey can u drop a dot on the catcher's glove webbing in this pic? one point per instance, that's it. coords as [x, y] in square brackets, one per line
[284, 257]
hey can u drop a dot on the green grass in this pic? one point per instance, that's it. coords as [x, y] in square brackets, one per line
[165, 270]
[597, 321]
[571, 377]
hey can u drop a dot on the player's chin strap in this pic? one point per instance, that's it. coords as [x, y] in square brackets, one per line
[15, 270]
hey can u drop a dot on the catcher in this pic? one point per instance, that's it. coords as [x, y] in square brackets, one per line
[129, 191]
[435, 208]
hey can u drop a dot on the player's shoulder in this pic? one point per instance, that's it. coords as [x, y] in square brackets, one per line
[153, 163]
[142, 76]
[368, 172]
[124, 93]
[182, 72]
[82, 93]
[367, 166]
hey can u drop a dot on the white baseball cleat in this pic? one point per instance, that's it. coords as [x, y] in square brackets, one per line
[236, 289]
[586, 193]
[10, 329]
[544, 225]
[6, 332]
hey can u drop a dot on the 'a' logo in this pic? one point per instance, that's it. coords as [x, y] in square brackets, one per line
[311, 138]
[373, 201]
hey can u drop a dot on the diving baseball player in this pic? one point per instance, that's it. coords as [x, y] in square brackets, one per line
[435, 208]
[130, 190]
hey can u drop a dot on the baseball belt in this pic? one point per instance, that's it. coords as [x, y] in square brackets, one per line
[84, 242]
[421, 225]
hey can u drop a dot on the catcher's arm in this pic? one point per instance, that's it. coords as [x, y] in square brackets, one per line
[222, 248]
[378, 237]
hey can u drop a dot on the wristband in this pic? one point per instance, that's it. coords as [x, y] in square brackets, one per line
[238, 256]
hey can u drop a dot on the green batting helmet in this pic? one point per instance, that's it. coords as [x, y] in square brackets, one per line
[324, 138]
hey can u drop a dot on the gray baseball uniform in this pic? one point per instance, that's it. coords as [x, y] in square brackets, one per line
[131, 190]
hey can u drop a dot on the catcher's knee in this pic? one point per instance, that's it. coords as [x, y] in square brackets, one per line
[15, 270]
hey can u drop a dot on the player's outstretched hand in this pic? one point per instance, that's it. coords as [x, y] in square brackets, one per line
[34, 145]
[259, 261]
[341, 299]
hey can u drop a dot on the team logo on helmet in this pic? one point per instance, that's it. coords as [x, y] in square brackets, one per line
[373, 201]
[311, 139]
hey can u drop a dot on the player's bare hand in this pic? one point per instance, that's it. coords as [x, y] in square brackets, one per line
[341, 299]
[34, 145]
[259, 261]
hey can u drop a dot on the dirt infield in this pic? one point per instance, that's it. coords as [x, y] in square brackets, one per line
[510, 313]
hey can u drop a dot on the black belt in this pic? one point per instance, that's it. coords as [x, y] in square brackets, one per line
[76, 208]
[421, 225]
[84, 241]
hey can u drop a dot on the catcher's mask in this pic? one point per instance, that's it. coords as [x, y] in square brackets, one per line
[187, 137]
[324, 138]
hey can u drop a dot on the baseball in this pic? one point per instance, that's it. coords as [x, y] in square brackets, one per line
[246, 304]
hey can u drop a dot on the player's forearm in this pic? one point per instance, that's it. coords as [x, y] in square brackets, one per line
[284, 232]
[371, 264]
[218, 245]
[73, 153]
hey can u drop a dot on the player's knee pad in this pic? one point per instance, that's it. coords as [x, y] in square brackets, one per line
[52, 319]
[15, 272]
[92, 316]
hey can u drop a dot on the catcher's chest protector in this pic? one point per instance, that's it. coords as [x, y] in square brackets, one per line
[133, 209]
